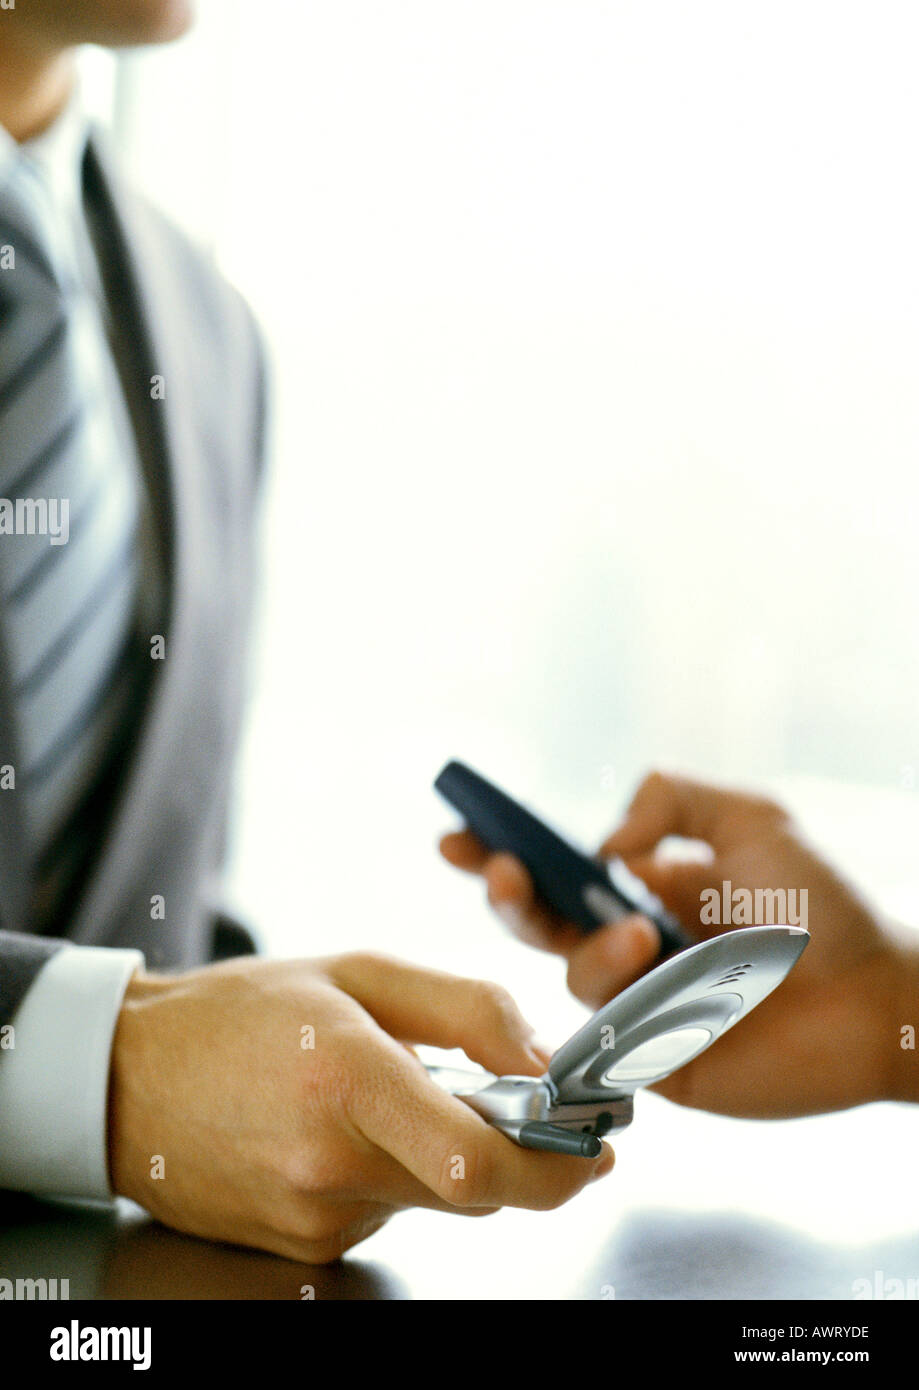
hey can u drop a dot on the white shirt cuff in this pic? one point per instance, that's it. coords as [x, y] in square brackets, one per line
[54, 1079]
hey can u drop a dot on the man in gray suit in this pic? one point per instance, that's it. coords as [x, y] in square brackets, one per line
[272, 1104]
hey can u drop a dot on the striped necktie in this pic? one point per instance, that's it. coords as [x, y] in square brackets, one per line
[69, 508]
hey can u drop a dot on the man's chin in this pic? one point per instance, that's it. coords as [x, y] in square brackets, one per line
[147, 21]
[109, 23]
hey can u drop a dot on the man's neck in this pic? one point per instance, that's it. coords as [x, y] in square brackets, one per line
[35, 85]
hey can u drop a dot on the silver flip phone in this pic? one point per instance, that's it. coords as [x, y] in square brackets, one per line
[648, 1031]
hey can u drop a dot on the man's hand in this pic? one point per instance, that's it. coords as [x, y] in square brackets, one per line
[830, 1035]
[276, 1105]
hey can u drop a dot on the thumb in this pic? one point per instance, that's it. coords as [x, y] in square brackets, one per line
[668, 805]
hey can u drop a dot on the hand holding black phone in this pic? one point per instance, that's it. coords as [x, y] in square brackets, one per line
[583, 890]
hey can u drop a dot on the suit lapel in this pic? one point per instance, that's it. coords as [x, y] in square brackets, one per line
[146, 310]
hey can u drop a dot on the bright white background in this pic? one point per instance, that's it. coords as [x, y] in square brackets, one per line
[595, 342]
[594, 327]
[595, 336]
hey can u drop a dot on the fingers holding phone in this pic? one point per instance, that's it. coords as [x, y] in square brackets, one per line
[275, 1104]
[599, 964]
[551, 895]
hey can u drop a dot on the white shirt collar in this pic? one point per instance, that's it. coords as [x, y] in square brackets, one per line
[58, 153]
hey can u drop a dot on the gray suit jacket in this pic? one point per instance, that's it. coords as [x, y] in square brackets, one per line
[202, 448]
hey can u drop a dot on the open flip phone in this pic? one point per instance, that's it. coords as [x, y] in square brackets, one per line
[648, 1031]
[651, 1029]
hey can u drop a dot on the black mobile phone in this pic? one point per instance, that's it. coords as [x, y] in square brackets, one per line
[583, 890]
